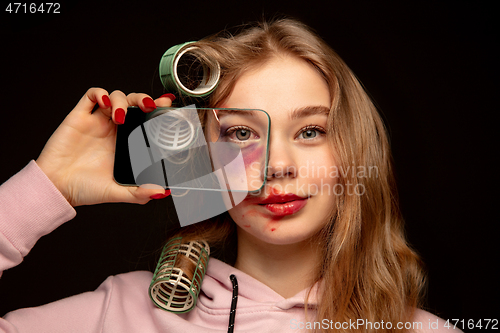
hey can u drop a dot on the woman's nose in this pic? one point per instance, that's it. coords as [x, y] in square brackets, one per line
[281, 161]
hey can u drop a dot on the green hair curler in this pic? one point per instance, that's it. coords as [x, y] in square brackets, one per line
[186, 68]
[175, 288]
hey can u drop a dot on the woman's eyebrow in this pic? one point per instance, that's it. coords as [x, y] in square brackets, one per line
[246, 113]
[309, 111]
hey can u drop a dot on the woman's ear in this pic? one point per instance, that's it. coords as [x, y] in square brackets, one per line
[212, 127]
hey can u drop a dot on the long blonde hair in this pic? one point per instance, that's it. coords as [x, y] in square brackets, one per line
[368, 271]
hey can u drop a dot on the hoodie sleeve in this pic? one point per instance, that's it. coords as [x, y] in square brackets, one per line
[81, 313]
[30, 207]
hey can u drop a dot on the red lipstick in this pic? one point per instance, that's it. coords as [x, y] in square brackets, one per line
[285, 204]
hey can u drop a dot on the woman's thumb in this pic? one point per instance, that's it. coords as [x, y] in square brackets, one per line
[146, 192]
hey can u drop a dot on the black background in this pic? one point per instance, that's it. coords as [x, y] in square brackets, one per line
[428, 66]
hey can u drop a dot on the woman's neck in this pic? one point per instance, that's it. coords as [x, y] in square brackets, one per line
[287, 269]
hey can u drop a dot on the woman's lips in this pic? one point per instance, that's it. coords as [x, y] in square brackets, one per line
[287, 208]
[284, 205]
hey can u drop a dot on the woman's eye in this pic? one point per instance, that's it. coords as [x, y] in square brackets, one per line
[242, 134]
[311, 132]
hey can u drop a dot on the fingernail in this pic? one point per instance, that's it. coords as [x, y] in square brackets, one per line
[149, 104]
[120, 116]
[161, 195]
[106, 101]
[171, 96]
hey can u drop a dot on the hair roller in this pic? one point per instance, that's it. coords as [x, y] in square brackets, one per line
[189, 70]
[178, 276]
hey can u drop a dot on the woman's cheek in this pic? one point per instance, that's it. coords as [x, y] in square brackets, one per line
[249, 218]
[243, 215]
[246, 218]
[321, 175]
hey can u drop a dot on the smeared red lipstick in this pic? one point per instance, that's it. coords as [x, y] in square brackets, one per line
[280, 198]
[283, 204]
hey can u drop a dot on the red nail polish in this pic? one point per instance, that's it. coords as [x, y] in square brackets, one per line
[120, 116]
[169, 95]
[106, 101]
[161, 195]
[149, 104]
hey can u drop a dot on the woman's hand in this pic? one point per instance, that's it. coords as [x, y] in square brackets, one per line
[79, 156]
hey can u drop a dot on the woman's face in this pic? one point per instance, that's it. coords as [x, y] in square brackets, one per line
[298, 196]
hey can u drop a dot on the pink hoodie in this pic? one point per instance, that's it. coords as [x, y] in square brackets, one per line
[122, 304]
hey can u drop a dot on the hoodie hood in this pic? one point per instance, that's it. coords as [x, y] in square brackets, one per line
[259, 308]
[216, 291]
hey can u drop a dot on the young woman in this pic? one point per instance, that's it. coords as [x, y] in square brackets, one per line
[320, 248]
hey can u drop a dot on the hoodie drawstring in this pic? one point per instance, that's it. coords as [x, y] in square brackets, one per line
[232, 314]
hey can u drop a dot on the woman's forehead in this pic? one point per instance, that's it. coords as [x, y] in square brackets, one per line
[289, 85]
